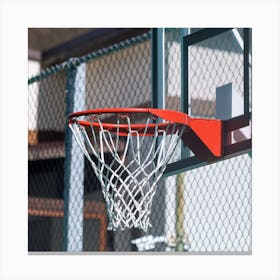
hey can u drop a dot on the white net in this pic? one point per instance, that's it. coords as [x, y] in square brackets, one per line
[128, 165]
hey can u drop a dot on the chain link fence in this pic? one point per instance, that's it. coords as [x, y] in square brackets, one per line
[206, 209]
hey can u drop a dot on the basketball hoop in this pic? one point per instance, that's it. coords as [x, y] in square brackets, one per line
[128, 149]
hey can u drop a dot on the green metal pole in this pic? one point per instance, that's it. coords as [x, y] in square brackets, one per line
[158, 101]
[74, 163]
[185, 152]
[158, 68]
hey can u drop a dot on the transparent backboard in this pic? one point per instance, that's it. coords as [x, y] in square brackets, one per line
[208, 75]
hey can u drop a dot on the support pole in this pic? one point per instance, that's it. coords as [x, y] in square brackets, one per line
[158, 68]
[185, 152]
[74, 163]
[158, 101]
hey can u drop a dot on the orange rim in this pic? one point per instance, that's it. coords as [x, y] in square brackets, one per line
[208, 131]
[173, 117]
[168, 115]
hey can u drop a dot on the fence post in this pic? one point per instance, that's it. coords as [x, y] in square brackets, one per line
[158, 68]
[158, 101]
[181, 236]
[74, 162]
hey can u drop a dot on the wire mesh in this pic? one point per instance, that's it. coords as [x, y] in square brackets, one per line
[216, 214]
[207, 209]
[46, 163]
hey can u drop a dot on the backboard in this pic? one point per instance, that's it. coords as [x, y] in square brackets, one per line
[215, 69]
